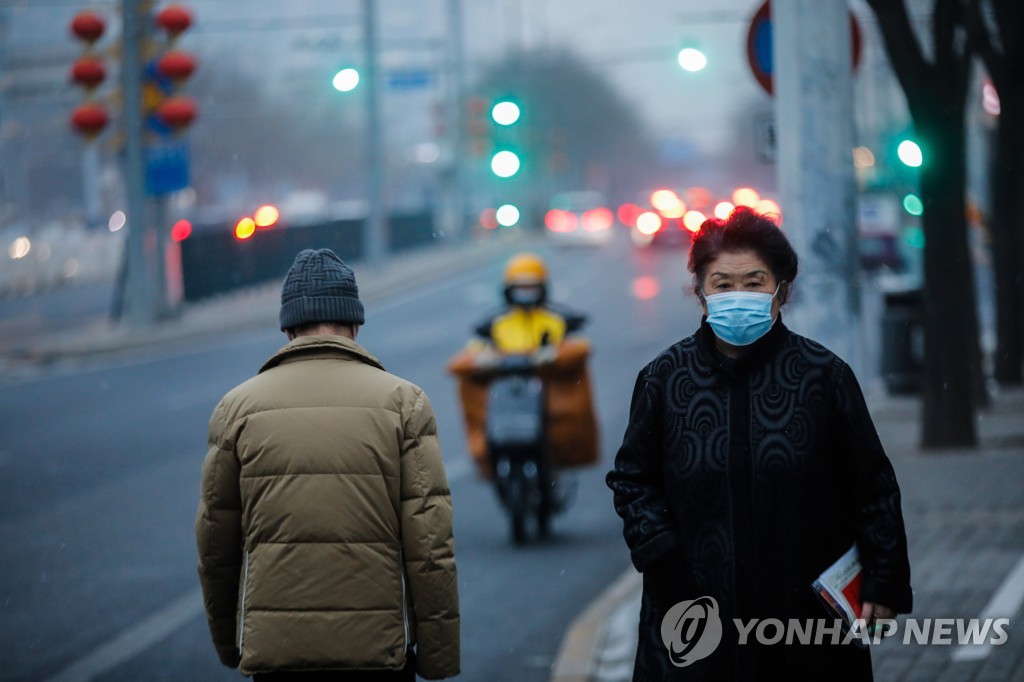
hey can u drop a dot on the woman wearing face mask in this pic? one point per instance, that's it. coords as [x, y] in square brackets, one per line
[749, 465]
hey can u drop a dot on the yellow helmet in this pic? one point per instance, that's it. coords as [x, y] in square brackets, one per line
[526, 269]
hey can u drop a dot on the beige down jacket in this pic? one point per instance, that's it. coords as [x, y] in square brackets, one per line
[325, 522]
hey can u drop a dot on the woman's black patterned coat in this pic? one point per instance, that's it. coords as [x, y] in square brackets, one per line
[745, 478]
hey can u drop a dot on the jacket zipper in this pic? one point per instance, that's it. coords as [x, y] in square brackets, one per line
[241, 618]
[405, 601]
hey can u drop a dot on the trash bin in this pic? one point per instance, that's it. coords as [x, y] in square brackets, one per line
[902, 357]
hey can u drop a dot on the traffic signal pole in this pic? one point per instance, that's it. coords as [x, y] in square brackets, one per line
[813, 89]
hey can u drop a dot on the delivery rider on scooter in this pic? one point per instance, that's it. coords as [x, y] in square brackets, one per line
[530, 325]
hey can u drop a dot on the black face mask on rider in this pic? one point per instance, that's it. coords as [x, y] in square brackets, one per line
[526, 296]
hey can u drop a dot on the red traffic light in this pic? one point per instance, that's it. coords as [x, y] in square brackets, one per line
[88, 26]
[176, 65]
[88, 72]
[89, 119]
[174, 19]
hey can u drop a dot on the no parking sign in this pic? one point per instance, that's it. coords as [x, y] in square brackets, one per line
[759, 44]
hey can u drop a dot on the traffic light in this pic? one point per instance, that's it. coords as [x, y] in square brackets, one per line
[505, 136]
[910, 153]
[507, 215]
[505, 112]
[912, 204]
[505, 163]
[692, 59]
[346, 80]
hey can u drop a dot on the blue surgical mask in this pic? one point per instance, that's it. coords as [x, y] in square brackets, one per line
[740, 317]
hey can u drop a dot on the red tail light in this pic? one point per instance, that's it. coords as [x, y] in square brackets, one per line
[558, 220]
[597, 220]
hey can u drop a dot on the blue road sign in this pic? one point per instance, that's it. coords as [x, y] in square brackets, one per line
[167, 166]
[408, 79]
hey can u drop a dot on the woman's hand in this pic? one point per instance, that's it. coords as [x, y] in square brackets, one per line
[871, 613]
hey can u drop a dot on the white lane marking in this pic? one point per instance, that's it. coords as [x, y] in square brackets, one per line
[1004, 604]
[133, 641]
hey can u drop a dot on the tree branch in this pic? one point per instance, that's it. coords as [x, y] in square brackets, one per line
[1006, 25]
[943, 23]
[914, 73]
[1009, 18]
[951, 63]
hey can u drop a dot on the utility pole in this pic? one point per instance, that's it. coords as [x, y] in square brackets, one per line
[455, 175]
[143, 293]
[375, 225]
[5, 161]
[814, 112]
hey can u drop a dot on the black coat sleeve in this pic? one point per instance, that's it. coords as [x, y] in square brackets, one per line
[875, 494]
[637, 480]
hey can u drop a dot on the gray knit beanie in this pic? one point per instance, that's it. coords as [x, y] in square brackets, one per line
[319, 287]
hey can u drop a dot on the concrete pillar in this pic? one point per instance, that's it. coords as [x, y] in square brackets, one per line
[813, 88]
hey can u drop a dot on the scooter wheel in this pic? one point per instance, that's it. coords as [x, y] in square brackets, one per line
[518, 508]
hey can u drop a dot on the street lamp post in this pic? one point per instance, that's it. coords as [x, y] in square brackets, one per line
[375, 225]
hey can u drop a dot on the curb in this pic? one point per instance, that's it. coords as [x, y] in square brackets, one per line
[579, 656]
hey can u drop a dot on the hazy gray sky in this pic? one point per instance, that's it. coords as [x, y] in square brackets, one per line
[636, 43]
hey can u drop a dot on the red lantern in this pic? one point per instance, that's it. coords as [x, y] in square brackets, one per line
[88, 72]
[174, 19]
[89, 119]
[176, 65]
[88, 26]
[177, 112]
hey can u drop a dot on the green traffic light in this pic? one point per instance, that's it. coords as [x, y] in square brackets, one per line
[910, 153]
[505, 112]
[912, 204]
[505, 164]
[507, 215]
[692, 59]
[346, 80]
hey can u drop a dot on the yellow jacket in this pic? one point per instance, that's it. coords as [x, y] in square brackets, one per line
[524, 330]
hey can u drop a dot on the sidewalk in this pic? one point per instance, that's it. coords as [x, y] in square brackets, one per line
[964, 511]
[252, 308]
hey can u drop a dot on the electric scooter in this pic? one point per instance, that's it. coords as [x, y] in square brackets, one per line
[525, 481]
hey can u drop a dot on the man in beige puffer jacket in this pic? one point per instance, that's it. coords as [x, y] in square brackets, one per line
[325, 522]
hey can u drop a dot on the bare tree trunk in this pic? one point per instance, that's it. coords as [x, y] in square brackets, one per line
[951, 355]
[936, 92]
